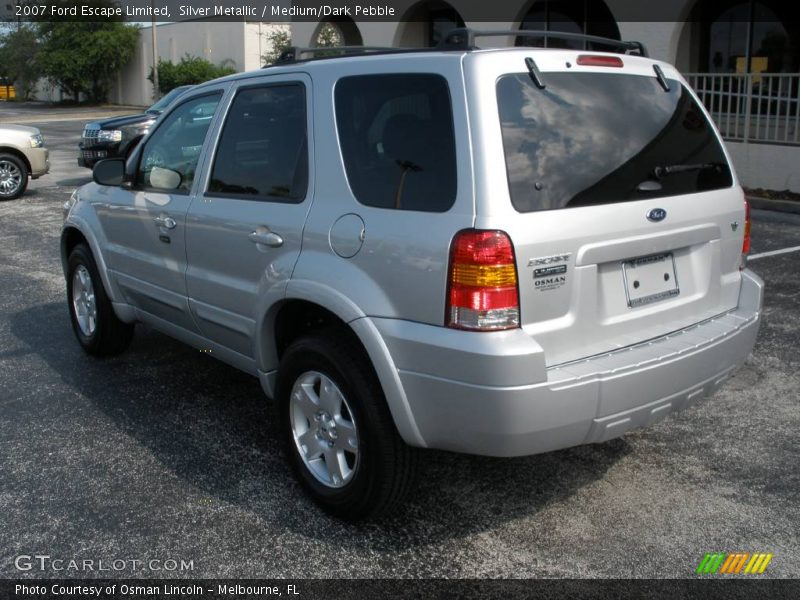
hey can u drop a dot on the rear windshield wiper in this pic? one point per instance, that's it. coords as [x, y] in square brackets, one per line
[663, 171]
[662, 80]
[535, 73]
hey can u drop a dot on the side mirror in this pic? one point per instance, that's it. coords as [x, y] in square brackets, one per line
[110, 171]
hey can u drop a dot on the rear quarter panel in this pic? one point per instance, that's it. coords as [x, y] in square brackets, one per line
[401, 269]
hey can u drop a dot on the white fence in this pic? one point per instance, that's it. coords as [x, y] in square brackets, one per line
[759, 107]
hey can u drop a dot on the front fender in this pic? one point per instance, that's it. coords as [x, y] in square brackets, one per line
[77, 222]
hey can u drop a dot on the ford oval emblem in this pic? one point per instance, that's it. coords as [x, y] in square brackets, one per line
[656, 215]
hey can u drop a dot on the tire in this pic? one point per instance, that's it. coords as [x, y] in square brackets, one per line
[13, 177]
[97, 328]
[377, 472]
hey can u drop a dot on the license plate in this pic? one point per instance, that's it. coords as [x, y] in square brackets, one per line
[650, 279]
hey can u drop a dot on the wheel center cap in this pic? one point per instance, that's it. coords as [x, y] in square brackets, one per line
[326, 427]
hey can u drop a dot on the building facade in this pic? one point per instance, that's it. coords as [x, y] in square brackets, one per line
[240, 45]
[741, 56]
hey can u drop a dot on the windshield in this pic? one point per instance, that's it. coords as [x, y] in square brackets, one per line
[596, 138]
[162, 104]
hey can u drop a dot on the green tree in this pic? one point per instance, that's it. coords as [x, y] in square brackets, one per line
[329, 36]
[189, 71]
[278, 40]
[85, 56]
[19, 65]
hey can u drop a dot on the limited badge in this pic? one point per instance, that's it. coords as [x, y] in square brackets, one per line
[547, 271]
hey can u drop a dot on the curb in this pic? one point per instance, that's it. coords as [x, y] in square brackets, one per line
[61, 118]
[787, 206]
[34, 106]
[48, 113]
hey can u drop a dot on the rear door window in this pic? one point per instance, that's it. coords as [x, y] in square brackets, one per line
[396, 136]
[596, 138]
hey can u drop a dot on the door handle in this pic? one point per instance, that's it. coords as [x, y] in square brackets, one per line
[266, 238]
[166, 222]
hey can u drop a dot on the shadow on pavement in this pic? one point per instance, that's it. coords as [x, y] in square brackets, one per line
[210, 425]
[75, 181]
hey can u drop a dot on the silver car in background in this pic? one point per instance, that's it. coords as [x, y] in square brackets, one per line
[22, 157]
[500, 252]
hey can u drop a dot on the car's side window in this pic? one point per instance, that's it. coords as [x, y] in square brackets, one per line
[263, 148]
[169, 159]
[398, 142]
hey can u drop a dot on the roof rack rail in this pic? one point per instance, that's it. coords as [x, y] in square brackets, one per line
[464, 39]
[295, 54]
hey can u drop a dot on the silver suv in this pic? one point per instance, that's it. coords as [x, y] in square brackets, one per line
[499, 252]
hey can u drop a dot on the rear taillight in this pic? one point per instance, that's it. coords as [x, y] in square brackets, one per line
[594, 60]
[746, 242]
[482, 292]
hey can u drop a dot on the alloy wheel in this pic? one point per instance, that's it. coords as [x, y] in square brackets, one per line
[324, 429]
[83, 301]
[10, 178]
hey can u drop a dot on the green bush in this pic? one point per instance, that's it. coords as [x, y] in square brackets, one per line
[190, 70]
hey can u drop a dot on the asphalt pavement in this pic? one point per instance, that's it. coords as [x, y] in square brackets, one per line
[30, 113]
[166, 454]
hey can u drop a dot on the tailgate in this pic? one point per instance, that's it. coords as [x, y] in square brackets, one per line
[617, 193]
[601, 278]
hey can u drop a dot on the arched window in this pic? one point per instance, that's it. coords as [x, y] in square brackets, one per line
[442, 19]
[747, 36]
[340, 31]
[426, 24]
[588, 17]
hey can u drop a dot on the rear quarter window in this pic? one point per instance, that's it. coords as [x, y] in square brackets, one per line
[397, 141]
[596, 138]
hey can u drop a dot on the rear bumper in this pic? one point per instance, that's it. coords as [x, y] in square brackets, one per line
[482, 401]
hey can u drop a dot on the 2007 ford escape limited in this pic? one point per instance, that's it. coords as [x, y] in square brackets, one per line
[500, 252]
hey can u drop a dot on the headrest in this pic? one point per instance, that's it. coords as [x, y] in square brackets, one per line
[405, 137]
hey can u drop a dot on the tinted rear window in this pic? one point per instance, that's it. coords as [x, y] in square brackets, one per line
[396, 135]
[596, 138]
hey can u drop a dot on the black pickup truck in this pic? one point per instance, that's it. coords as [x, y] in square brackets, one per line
[115, 138]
